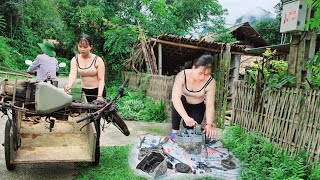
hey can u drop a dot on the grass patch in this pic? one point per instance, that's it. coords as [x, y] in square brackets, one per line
[76, 93]
[113, 165]
[260, 159]
[154, 131]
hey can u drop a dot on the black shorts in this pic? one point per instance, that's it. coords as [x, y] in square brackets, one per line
[196, 111]
[91, 94]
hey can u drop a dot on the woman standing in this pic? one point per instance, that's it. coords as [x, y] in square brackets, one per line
[91, 69]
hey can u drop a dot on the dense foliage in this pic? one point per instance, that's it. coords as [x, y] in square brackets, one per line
[261, 160]
[135, 105]
[113, 25]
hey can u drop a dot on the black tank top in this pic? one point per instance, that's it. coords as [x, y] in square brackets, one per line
[185, 82]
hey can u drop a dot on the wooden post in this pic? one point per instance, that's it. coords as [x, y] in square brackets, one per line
[235, 66]
[312, 49]
[293, 55]
[160, 58]
[302, 48]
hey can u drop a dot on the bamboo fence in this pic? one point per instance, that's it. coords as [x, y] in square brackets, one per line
[289, 118]
[157, 87]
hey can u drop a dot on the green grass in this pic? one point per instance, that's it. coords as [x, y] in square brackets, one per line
[113, 165]
[77, 94]
[154, 131]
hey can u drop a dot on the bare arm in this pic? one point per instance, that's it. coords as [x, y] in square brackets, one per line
[210, 93]
[101, 72]
[176, 95]
[72, 75]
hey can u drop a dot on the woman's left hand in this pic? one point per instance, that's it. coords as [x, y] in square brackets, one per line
[209, 130]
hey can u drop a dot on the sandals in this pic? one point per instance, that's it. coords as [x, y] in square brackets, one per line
[172, 137]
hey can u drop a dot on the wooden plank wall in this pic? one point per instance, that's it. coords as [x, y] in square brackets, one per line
[289, 118]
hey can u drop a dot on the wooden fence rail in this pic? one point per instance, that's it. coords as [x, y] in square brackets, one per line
[157, 87]
[290, 117]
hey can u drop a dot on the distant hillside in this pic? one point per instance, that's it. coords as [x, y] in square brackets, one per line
[255, 15]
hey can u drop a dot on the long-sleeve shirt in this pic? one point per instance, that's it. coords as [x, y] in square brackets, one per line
[44, 65]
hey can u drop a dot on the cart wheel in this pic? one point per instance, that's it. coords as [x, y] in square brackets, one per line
[97, 153]
[119, 123]
[8, 145]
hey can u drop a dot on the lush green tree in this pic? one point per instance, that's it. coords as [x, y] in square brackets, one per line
[114, 25]
[314, 64]
[2, 24]
[270, 29]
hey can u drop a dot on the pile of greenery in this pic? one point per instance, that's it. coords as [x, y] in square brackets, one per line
[261, 160]
[135, 105]
[277, 76]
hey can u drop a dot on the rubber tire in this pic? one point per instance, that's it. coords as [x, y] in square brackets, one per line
[119, 123]
[97, 152]
[8, 142]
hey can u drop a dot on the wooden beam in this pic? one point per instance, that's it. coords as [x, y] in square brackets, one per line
[160, 58]
[185, 45]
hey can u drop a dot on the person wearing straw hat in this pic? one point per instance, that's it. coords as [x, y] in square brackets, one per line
[46, 65]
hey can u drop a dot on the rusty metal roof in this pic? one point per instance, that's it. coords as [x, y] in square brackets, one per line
[196, 44]
[244, 34]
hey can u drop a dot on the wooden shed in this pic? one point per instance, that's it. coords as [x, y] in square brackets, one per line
[173, 52]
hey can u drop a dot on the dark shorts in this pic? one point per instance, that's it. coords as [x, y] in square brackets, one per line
[196, 111]
[91, 94]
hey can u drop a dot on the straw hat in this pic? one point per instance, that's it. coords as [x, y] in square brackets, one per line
[47, 47]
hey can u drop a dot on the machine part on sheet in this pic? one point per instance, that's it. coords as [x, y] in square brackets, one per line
[142, 141]
[161, 143]
[210, 141]
[171, 158]
[228, 163]
[207, 168]
[222, 153]
[145, 151]
[191, 139]
[169, 165]
[183, 168]
[154, 164]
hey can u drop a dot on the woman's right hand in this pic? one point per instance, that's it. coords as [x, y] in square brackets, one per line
[190, 121]
[67, 89]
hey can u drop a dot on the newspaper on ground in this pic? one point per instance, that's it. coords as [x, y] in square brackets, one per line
[171, 161]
